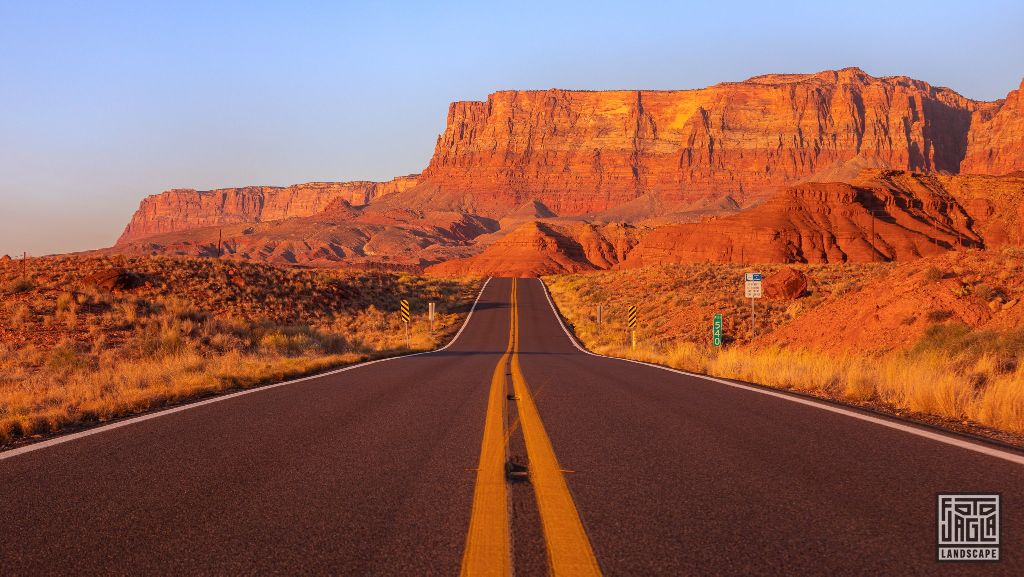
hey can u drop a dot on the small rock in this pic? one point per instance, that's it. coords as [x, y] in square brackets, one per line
[1009, 305]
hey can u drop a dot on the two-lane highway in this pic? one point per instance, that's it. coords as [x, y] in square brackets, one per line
[380, 470]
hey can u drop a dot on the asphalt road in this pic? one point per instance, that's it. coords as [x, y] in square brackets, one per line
[372, 472]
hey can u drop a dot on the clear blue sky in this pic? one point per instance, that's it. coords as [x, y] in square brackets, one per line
[102, 103]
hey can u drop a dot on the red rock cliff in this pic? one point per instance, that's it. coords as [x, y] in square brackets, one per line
[636, 154]
[881, 215]
[995, 144]
[580, 152]
[184, 209]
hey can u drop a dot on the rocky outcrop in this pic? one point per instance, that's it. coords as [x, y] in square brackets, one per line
[995, 144]
[786, 284]
[396, 185]
[994, 205]
[336, 237]
[184, 209]
[582, 152]
[112, 279]
[538, 248]
[822, 222]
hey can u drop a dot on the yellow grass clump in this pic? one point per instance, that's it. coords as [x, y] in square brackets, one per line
[929, 384]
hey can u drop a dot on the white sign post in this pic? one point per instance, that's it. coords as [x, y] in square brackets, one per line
[752, 290]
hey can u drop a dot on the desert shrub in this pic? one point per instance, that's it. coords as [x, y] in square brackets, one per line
[332, 343]
[957, 340]
[844, 288]
[1001, 404]
[64, 357]
[127, 311]
[925, 382]
[19, 286]
[179, 309]
[861, 382]
[290, 342]
[943, 337]
[985, 292]
[932, 273]
[275, 343]
[65, 302]
[99, 341]
[938, 315]
[21, 314]
[224, 342]
[157, 340]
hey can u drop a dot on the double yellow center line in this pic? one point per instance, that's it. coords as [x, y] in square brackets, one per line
[488, 543]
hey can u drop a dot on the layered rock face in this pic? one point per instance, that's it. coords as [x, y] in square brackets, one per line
[996, 140]
[549, 164]
[336, 237]
[538, 248]
[184, 209]
[583, 152]
[994, 204]
[819, 223]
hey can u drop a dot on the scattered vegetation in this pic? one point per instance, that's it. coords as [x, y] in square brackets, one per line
[952, 369]
[678, 302]
[72, 353]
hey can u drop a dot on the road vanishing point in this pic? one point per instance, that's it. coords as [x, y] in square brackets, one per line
[401, 467]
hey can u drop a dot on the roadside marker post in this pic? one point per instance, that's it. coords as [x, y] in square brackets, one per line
[752, 290]
[631, 317]
[716, 331]
[600, 314]
[405, 319]
[430, 315]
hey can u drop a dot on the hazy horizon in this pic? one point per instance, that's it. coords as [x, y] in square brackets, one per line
[106, 105]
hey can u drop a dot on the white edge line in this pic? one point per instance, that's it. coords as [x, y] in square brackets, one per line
[933, 435]
[133, 420]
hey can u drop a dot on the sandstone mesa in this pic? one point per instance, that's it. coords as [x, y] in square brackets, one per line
[777, 168]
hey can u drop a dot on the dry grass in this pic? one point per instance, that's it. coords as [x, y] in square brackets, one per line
[953, 370]
[74, 354]
[930, 383]
[677, 302]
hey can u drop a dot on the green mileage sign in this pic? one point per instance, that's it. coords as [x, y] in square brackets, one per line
[716, 331]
